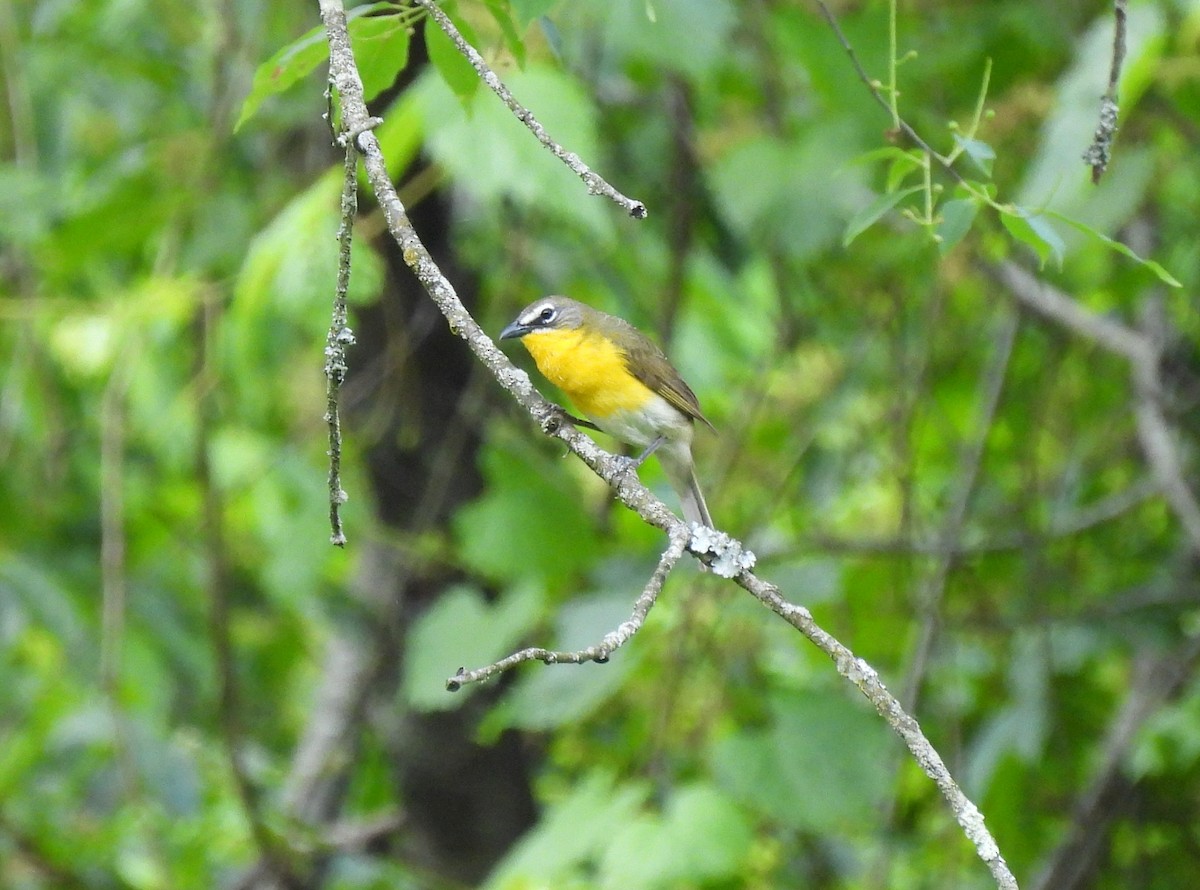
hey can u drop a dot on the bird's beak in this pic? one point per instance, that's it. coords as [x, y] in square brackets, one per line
[516, 329]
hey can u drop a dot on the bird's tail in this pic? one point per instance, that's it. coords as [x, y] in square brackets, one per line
[692, 500]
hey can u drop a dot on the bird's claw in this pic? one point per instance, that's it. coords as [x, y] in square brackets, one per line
[558, 415]
[625, 465]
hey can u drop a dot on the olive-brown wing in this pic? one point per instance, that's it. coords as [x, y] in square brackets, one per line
[648, 364]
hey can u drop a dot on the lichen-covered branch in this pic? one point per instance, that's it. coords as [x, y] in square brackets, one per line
[863, 676]
[339, 338]
[1099, 152]
[601, 651]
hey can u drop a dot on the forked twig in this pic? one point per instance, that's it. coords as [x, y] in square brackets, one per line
[600, 652]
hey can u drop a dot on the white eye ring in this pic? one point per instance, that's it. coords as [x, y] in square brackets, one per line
[546, 315]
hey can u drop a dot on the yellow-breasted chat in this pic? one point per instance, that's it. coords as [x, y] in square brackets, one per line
[621, 381]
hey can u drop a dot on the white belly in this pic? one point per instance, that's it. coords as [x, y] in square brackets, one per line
[639, 428]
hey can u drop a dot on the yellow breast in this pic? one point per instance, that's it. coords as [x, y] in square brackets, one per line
[590, 369]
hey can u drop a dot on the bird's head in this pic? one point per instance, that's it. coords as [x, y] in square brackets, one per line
[547, 314]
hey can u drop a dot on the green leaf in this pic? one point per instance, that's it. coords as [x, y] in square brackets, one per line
[488, 153]
[901, 168]
[901, 163]
[686, 36]
[297, 60]
[460, 629]
[291, 262]
[528, 524]
[982, 154]
[528, 10]
[453, 66]
[574, 830]
[865, 218]
[957, 217]
[512, 39]
[702, 837]
[1113, 244]
[820, 764]
[1034, 229]
[759, 193]
[381, 51]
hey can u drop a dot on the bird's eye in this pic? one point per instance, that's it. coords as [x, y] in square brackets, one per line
[546, 315]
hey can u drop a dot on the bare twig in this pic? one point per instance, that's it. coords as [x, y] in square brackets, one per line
[1156, 681]
[1104, 510]
[863, 676]
[340, 336]
[218, 587]
[683, 187]
[601, 651]
[720, 549]
[1099, 152]
[1155, 433]
[112, 528]
[932, 591]
[114, 584]
[1049, 301]
[348, 836]
[596, 185]
[311, 790]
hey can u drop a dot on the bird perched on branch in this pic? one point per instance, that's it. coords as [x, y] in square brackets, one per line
[621, 381]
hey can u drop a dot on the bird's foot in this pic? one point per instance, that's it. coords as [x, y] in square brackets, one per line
[559, 415]
[625, 466]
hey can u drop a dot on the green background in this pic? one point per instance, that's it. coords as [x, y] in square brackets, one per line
[194, 683]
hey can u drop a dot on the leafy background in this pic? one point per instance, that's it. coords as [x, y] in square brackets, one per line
[197, 691]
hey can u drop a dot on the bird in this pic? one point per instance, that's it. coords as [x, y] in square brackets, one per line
[622, 383]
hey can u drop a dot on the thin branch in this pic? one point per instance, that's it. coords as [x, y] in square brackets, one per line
[863, 676]
[311, 790]
[352, 836]
[683, 187]
[340, 336]
[970, 459]
[1142, 349]
[114, 583]
[112, 529]
[600, 652]
[1099, 152]
[596, 185]
[218, 587]
[875, 89]
[1104, 510]
[1047, 300]
[932, 591]
[1155, 433]
[723, 553]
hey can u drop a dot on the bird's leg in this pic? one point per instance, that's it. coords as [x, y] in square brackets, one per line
[650, 449]
[632, 463]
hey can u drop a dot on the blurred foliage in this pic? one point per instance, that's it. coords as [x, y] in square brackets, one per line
[165, 286]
